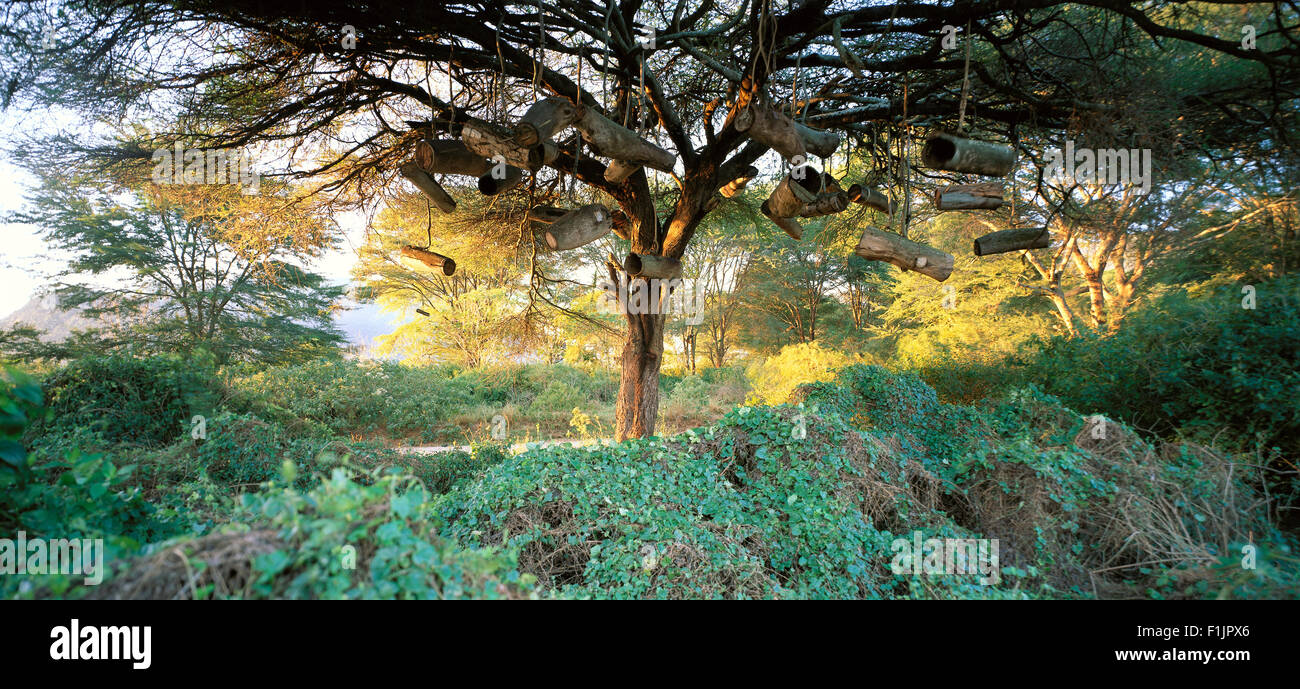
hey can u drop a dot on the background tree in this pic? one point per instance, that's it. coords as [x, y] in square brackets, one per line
[176, 269]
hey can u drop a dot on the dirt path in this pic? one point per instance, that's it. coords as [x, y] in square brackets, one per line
[516, 448]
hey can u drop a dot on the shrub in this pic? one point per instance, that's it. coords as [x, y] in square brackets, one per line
[243, 449]
[778, 376]
[1200, 366]
[147, 401]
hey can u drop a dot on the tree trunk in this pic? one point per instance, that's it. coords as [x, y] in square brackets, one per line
[637, 409]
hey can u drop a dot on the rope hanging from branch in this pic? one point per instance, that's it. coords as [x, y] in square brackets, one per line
[965, 84]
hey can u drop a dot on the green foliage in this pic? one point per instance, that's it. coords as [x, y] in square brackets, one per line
[147, 401]
[385, 525]
[1196, 364]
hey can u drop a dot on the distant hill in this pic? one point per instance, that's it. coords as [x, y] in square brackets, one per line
[42, 312]
[361, 323]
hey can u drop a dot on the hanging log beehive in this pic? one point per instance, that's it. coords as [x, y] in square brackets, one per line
[619, 170]
[871, 198]
[491, 141]
[826, 204]
[943, 151]
[428, 258]
[426, 184]
[878, 245]
[449, 157]
[620, 143]
[544, 120]
[1017, 239]
[575, 228]
[737, 185]
[777, 131]
[788, 225]
[492, 184]
[985, 195]
[648, 266]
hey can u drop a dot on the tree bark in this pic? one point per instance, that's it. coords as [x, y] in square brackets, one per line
[621, 143]
[543, 120]
[491, 184]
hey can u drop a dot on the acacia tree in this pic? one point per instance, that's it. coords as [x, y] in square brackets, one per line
[361, 82]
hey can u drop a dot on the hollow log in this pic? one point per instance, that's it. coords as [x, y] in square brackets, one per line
[620, 143]
[826, 204]
[945, 151]
[789, 197]
[546, 215]
[788, 225]
[491, 184]
[619, 170]
[871, 198]
[449, 157]
[432, 189]
[491, 141]
[578, 227]
[430, 259]
[1013, 240]
[773, 129]
[955, 197]
[819, 142]
[738, 184]
[543, 120]
[877, 245]
[647, 266]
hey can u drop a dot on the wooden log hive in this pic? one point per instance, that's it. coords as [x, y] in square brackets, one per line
[773, 129]
[826, 204]
[871, 198]
[788, 225]
[620, 143]
[426, 184]
[430, 259]
[877, 245]
[648, 266]
[799, 187]
[986, 195]
[1013, 240]
[491, 184]
[544, 120]
[449, 157]
[737, 185]
[491, 141]
[578, 227]
[819, 142]
[945, 151]
[619, 170]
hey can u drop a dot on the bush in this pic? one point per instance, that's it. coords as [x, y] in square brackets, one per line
[342, 539]
[777, 377]
[148, 401]
[243, 449]
[1199, 366]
